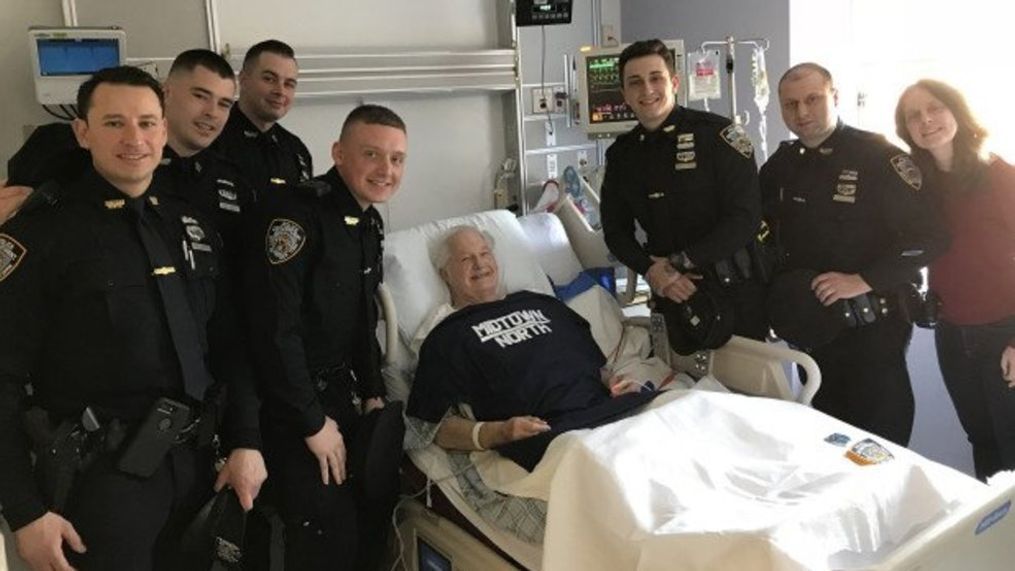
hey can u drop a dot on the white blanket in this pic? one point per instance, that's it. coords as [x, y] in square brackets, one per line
[720, 481]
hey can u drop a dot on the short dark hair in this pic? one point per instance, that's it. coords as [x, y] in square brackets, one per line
[207, 59]
[644, 48]
[121, 75]
[374, 115]
[806, 67]
[272, 46]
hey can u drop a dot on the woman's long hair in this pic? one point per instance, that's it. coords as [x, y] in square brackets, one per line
[969, 138]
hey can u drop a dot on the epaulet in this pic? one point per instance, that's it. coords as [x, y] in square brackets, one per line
[42, 198]
[313, 188]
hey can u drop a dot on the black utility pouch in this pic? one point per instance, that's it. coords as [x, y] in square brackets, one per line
[158, 432]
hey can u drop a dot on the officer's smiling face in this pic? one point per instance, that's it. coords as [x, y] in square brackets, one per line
[809, 105]
[267, 88]
[929, 121]
[197, 107]
[649, 89]
[125, 132]
[471, 271]
[371, 159]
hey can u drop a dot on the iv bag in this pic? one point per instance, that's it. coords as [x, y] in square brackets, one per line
[704, 79]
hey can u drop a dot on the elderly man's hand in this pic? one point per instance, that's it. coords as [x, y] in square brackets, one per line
[622, 384]
[520, 428]
[11, 199]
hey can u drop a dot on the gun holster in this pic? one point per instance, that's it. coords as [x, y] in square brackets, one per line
[61, 451]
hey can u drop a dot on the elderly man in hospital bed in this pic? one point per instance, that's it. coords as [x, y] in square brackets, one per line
[524, 364]
[696, 480]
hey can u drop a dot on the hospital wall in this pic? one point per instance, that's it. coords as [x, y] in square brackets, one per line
[456, 140]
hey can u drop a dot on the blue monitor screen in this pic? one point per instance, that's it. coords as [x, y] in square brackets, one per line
[76, 57]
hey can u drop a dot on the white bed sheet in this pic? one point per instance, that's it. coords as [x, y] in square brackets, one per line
[723, 481]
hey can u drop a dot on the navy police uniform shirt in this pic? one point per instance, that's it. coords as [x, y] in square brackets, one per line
[527, 354]
[311, 281]
[82, 319]
[213, 184]
[268, 160]
[692, 185]
[854, 204]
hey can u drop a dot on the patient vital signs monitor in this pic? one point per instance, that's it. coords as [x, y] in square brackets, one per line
[63, 58]
[603, 111]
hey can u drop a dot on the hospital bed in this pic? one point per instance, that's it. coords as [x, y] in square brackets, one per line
[975, 533]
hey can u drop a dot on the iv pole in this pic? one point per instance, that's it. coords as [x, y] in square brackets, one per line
[730, 44]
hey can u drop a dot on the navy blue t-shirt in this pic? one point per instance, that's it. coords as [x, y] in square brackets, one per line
[527, 354]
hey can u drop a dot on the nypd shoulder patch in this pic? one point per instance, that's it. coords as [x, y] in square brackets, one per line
[284, 240]
[736, 137]
[11, 254]
[908, 171]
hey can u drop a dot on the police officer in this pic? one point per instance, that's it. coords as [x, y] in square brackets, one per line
[689, 179]
[111, 308]
[200, 91]
[310, 290]
[266, 153]
[848, 205]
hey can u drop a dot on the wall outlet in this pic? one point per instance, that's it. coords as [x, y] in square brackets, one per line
[549, 100]
[541, 100]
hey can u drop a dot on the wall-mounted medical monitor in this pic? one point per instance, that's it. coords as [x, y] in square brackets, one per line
[600, 100]
[542, 12]
[63, 58]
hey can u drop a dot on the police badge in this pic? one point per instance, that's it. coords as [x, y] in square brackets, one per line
[736, 137]
[11, 254]
[908, 171]
[284, 240]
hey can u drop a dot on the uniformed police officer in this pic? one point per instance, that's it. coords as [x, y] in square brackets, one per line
[111, 308]
[847, 204]
[689, 179]
[268, 155]
[200, 91]
[310, 289]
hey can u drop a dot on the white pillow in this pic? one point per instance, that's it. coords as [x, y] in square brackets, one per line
[417, 288]
[547, 238]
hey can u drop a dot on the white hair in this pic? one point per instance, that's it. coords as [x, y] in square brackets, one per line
[440, 252]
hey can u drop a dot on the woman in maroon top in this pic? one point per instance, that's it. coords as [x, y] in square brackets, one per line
[975, 278]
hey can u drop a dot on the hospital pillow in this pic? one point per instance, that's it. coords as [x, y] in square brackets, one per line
[417, 288]
[549, 242]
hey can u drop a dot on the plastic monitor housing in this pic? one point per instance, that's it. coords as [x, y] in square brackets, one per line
[63, 58]
[604, 114]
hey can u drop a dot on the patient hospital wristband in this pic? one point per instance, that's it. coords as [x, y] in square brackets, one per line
[475, 435]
